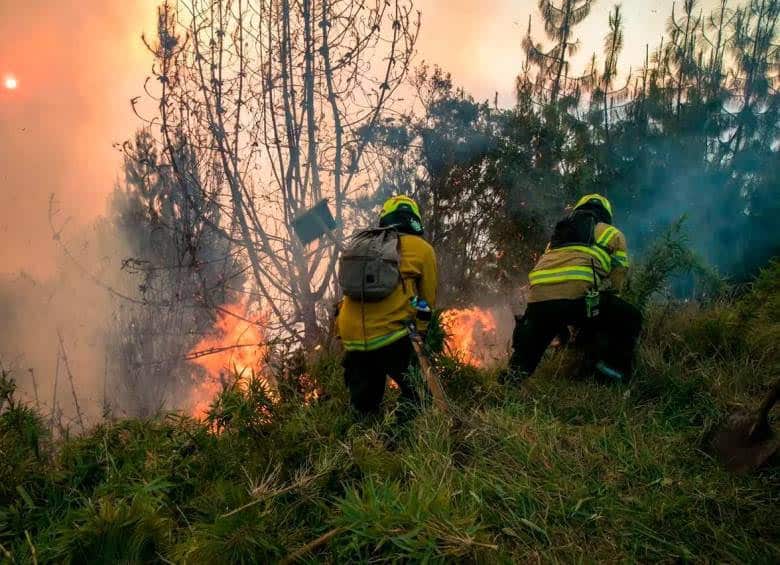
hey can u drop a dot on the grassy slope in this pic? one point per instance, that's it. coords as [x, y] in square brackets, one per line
[559, 471]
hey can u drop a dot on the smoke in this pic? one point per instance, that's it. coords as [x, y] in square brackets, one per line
[78, 65]
[84, 342]
[38, 312]
[730, 215]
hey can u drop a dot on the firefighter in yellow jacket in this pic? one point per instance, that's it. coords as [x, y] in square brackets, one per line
[376, 334]
[577, 282]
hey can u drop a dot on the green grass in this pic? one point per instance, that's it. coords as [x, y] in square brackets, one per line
[558, 471]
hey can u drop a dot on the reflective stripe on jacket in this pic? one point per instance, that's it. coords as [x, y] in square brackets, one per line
[371, 325]
[568, 272]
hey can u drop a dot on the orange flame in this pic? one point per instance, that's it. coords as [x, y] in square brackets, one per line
[236, 347]
[471, 334]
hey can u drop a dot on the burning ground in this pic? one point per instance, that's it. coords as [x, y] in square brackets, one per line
[236, 349]
[480, 337]
[554, 471]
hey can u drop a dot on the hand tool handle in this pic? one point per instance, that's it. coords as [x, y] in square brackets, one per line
[431, 379]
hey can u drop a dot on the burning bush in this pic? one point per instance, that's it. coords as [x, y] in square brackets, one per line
[235, 354]
[477, 336]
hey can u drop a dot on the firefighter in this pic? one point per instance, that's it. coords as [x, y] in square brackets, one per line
[376, 334]
[577, 282]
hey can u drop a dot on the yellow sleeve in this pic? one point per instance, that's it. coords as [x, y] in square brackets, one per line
[422, 267]
[429, 280]
[618, 251]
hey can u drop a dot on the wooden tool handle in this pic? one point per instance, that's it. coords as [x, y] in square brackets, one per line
[434, 385]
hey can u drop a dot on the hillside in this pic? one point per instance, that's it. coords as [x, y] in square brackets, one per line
[558, 471]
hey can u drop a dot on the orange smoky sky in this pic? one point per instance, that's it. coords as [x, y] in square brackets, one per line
[78, 63]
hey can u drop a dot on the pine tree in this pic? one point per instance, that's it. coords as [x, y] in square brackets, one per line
[756, 55]
[552, 64]
[613, 45]
[682, 51]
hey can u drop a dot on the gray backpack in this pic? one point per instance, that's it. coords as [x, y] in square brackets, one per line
[369, 268]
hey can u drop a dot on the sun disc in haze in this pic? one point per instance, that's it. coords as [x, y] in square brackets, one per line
[10, 82]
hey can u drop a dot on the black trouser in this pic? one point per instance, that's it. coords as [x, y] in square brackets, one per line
[365, 373]
[611, 336]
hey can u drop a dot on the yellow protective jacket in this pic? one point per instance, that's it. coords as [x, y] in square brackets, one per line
[569, 272]
[371, 325]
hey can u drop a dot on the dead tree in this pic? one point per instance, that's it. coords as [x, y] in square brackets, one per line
[277, 100]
